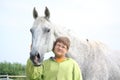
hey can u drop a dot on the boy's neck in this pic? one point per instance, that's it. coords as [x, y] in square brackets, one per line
[60, 59]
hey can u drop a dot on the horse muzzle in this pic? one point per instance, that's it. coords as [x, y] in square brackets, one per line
[35, 58]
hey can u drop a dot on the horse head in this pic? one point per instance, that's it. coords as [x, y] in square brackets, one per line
[42, 34]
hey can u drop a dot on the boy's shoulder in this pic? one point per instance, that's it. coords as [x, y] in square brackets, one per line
[72, 60]
[48, 60]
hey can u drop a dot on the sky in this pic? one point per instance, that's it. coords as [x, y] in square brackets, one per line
[92, 19]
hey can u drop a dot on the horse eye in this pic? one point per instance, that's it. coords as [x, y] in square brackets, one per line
[48, 30]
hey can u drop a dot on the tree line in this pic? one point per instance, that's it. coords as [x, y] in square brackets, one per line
[7, 68]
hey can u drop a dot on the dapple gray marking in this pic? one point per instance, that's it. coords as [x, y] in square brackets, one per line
[96, 61]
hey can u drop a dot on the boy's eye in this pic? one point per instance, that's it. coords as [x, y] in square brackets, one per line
[62, 46]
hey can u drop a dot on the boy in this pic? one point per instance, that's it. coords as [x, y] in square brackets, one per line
[59, 67]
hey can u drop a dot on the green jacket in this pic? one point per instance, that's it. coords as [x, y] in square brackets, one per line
[33, 72]
[52, 70]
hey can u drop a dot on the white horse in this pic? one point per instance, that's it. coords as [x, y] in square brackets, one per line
[96, 61]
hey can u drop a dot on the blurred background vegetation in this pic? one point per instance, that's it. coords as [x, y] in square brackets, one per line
[14, 69]
[7, 68]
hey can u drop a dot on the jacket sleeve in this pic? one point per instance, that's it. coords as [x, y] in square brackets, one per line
[33, 72]
[77, 75]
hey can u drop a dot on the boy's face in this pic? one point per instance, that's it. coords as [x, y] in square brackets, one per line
[60, 49]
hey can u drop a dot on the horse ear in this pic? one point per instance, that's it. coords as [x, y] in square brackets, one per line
[35, 14]
[47, 13]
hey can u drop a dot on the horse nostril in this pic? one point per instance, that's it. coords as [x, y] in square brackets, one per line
[38, 55]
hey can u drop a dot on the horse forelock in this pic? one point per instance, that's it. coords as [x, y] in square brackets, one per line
[41, 20]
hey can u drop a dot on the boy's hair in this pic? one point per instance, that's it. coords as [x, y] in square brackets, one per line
[64, 40]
